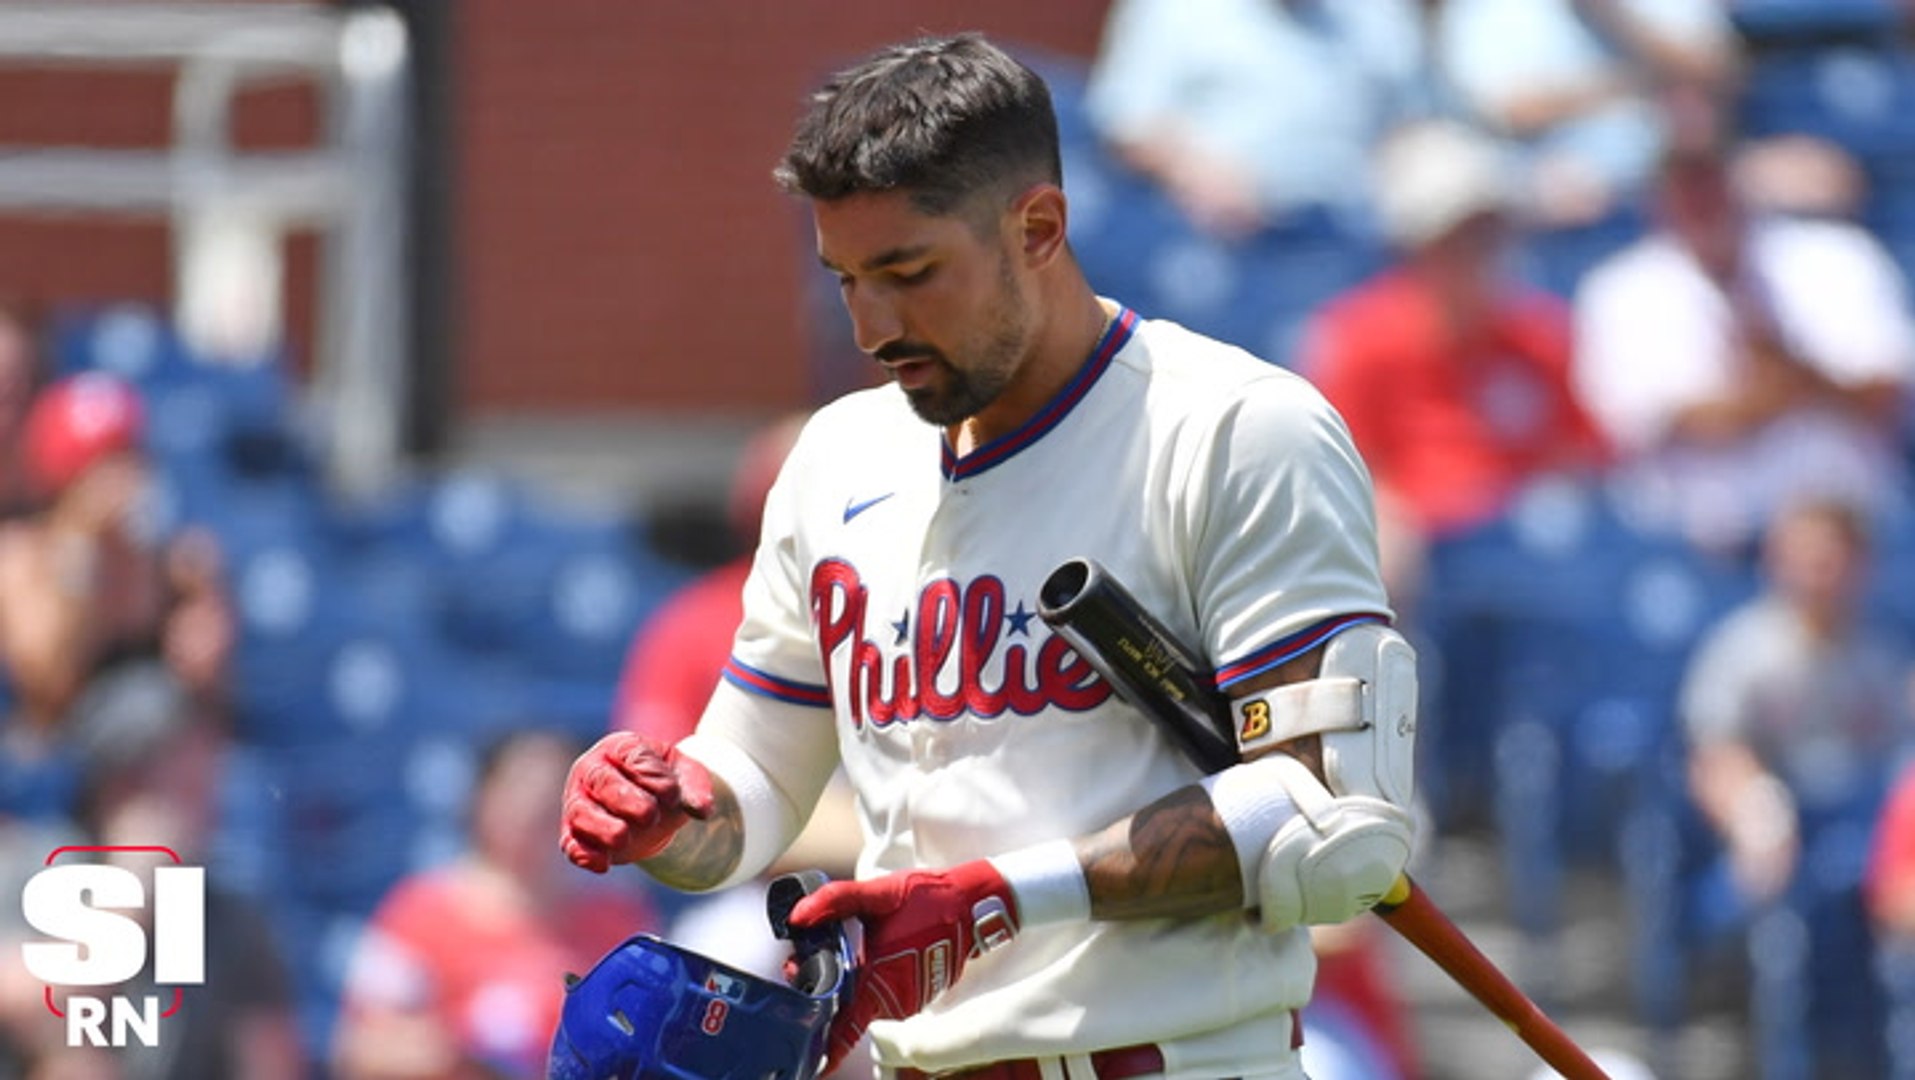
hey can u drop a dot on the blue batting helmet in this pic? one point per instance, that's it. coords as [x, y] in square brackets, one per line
[649, 1010]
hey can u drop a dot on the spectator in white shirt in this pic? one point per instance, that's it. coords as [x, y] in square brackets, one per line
[1245, 111]
[1574, 85]
[1740, 364]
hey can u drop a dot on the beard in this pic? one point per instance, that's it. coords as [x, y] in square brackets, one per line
[957, 393]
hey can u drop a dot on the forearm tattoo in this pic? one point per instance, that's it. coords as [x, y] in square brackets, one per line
[1172, 859]
[705, 852]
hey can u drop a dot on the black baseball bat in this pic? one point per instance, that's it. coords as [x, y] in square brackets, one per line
[1149, 667]
[1140, 658]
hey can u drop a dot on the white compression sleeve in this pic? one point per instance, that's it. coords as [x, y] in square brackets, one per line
[737, 734]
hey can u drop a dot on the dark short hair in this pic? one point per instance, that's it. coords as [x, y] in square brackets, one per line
[941, 119]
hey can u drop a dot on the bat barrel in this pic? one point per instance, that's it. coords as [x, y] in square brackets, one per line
[1141, 659]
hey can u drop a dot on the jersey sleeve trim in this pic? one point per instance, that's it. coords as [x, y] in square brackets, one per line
[1288, 648]
[746, 677]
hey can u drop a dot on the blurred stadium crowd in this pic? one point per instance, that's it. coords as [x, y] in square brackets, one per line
[1614, 295]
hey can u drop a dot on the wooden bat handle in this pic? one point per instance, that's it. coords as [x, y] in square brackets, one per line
[1410, 912]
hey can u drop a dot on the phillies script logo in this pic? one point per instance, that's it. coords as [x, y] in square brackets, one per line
[75, 903]
[955, 632]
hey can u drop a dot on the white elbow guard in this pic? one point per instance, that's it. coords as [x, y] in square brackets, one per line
[1313, 853]
[1308, 856]
[1363, 706]
[1335, 858]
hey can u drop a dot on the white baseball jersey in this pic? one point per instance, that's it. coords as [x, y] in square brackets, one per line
[896, 586]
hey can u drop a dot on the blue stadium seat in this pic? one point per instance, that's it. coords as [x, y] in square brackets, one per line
[566, 600]
[579, 708]
[1861, 98]
[1764, 21]
[1890, 210]
[40, 786]
[250, 515]
[1895, 960]
[1493, 599]
[1557, 259]
[342, 830]
[319, 660]
[454, 518]
[131, 341]
[512, 578]
[1562, 635]
[1891, 595]
[235, 414]
[1288, 274]
[1638, 651]
[1817, 1007]
[1558, 546]
[1125, 226]
[1816, 1001]
[1254, 293]
[318, 940]
[244, 847]
[1067, 77]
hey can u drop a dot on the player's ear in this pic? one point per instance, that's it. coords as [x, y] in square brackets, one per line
[1041, 218]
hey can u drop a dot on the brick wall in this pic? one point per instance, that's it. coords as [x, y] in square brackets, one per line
[617, 239]
[47, 262]
[623, 242]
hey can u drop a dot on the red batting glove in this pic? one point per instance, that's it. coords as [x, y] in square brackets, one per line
[626, 798]
[920, 927]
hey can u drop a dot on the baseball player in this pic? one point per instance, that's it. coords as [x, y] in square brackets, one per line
[1046, 888]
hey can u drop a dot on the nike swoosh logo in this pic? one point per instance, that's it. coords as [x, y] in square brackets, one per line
[853, 509]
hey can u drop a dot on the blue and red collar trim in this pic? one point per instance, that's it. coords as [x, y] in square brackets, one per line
[1004, 447]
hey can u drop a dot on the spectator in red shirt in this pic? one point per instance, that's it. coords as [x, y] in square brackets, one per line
[84, 586]
[458, 975]
[1454, 378]
[1891, 869]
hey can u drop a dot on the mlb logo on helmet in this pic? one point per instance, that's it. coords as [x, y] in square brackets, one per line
[722, 985]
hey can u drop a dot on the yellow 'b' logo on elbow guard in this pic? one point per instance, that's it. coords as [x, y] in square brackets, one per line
[1256, 720]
